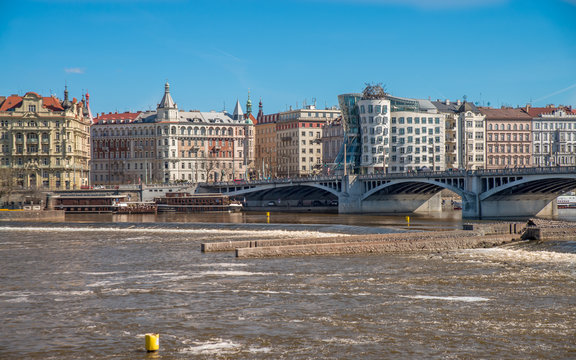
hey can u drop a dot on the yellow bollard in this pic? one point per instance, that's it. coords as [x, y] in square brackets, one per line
[152, 342]
[408, 220]
[268, 217]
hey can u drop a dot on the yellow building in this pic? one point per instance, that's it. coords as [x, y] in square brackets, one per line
[45, 142]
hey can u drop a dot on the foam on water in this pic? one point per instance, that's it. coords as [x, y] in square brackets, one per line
[507, 254]
[235, 232]
[233, 273]
[212, 347]
[447, 298]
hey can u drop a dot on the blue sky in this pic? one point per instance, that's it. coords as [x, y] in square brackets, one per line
[505, 52]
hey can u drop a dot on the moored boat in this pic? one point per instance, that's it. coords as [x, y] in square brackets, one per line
[186, 202]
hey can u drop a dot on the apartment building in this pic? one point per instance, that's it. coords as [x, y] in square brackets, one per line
[172, 145]
[298, 140]
[45, 142]
[508, 138]
[553, 135]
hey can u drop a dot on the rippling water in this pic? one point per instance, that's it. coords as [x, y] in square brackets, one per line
[91, 290]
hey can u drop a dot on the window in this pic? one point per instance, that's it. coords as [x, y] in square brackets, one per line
[32, 108]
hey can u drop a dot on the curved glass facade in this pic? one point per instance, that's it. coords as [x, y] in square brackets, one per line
[351, 124]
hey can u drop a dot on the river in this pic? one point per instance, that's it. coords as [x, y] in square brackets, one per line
[91, 287]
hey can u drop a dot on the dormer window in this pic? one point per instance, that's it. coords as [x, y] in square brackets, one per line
[32, 108]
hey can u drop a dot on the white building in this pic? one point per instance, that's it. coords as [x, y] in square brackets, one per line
[417, 136]
[554, 138]
[465, 134]
[374, 109]
[169, 145]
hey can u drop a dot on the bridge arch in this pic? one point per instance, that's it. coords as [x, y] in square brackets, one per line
[422, 186]
[544, 187]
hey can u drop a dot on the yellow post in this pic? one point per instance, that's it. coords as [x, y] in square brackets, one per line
[268, 217]
[152, 342]
[408, 220]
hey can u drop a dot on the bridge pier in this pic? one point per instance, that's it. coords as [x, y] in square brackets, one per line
[402, 203]
[515, 207]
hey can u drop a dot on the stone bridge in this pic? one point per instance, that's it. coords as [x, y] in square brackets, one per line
[486, 194]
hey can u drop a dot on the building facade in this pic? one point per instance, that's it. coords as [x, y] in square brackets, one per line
[265, 151]
[508, 138]
[465, 134]
[332, 142]
[553, 136]
[299, 140]
[374, 109]
[45, 142]
[171, 145]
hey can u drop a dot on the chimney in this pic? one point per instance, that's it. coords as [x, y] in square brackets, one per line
[458, 102]
[528, 107]
[447, 102]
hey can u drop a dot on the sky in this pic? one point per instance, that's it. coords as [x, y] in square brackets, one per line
[288, 52]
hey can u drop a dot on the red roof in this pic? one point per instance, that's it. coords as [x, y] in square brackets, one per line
[52, 103]
[504, 114]
[126, 116]
[537, 111]
[14, 101]
[11, 102]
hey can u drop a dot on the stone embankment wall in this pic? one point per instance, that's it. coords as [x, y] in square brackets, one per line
[376, 247]
[359, 244]
[25, 215]
[411, 236]
[496, 228]
[542, 230]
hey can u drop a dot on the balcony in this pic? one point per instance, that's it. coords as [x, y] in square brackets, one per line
[32, 141]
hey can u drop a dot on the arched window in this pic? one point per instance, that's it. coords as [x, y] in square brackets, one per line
[173, 130]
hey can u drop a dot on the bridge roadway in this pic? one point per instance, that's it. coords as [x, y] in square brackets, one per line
[486, 194]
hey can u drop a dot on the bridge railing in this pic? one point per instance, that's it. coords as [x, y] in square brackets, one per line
[482, 172]
[415, 174]
[274, 181]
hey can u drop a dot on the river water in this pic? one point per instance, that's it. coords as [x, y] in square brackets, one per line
[91, 287]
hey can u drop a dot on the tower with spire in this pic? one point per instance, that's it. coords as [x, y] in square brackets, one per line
[260, 115]
[167, 109]
[66, 104]
[248, 106]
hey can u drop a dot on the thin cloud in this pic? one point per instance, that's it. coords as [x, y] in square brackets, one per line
[74, 70]
[556, 93]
